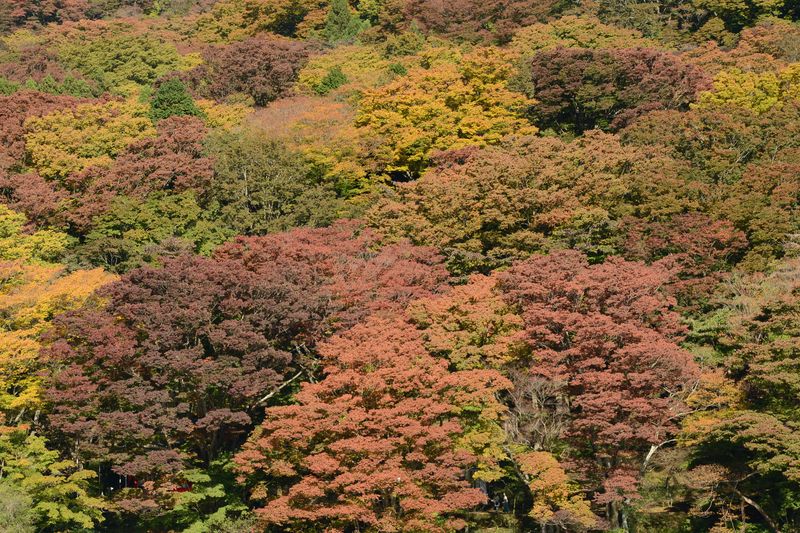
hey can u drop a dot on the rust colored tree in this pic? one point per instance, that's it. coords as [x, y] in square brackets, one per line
[373, 446]
[607, 337]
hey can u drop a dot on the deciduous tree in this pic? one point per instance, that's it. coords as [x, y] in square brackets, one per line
[375, 444]
[607, 337]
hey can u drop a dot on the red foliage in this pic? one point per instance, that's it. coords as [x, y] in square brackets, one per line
[182, 357]
[171, 161]
[607, 88]
[606, 335]
[263, 68]
[475, 20]
[45, 11]
[374, 443]
[698, 249]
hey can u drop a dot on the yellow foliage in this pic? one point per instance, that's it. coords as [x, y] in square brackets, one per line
[30, 296]
[363, 66]
[553, 491]
[219, 115]
[32, 292]
[322, 130]
[446, 106]
[233, 20]
[44, 245]
[576, 32]
[759, 92]
[72, 140]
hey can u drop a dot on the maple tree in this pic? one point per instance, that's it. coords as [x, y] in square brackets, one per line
[232, 20]
[387, 265]
[171, 160]
[15, 109]
[493, 20]
[618, 366]
[698, 249]
[272, 69]
[487, 207]
[584, 88]
[575, 32]
[557, 500]
[472, 106]
[384, 403]
[757, 91]
[34, 289]
[221, 334]
[68, 141]
[54, 493]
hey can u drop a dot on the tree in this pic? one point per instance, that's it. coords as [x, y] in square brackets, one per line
[737, 161]
[341, 25]
[474, 20]
[580, 89]
[172, 161]
[462, 102]
[323, 131]
[259, 186]
[133, 232]
[171, 99]
[69, 141]
[233, 20]
[40, 246]
[738, 13]
[58, 490]
[743, 440]
[33, 290]
[757, 91]
[488, 207]
[471, 326]
[556, 500]
[374, 444]
[698, 249]
[271, 69]
[15, 109]
[38, 491]
[175, 370]
[116, 55]
[607, 338]
[575, 32]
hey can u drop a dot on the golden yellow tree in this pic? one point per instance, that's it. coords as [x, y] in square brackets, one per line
[460, 100]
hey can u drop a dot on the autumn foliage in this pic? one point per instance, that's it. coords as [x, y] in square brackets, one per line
[399, 265]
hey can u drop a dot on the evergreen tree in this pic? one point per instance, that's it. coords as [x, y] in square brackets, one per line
[341, 24]
[172, 99]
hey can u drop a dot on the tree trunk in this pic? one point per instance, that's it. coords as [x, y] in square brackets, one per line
[752, 503]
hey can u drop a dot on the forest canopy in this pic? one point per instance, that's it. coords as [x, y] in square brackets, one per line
[399, 266]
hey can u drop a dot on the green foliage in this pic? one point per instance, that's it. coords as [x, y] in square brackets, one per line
[58, 490]
[133, 233]
[70, 86]
[739, 13]
[334, 79]
[7, 87]
[115, 60]
[341, 24]
[261, 187]
[172, 99]
[16, 509]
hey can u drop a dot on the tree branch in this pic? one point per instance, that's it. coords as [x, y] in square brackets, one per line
[277, 390]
